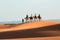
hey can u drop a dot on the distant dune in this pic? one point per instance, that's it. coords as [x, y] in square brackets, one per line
[32, 30]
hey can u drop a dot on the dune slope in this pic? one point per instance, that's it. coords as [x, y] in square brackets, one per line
[29, 25]
[32, 30]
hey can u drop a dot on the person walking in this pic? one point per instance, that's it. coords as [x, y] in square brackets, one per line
[22, 20]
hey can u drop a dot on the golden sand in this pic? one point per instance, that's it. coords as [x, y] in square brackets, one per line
[29, 25]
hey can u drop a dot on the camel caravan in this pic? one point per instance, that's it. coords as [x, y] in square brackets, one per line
[32, 18]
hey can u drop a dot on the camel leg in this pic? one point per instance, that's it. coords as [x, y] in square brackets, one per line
[39, 19]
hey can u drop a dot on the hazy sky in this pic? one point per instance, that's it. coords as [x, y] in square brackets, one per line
[16, 9]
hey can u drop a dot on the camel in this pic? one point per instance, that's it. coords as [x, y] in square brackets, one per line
[39, 17]
[27, 18]
[32, 17]
[35, 17]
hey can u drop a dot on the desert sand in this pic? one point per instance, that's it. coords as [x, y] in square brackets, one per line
[39, 38]
[38, 30]
[28, 25]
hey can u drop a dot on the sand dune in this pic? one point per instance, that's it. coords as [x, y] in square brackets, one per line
[44, 30]
[39, 38]
[28, 25]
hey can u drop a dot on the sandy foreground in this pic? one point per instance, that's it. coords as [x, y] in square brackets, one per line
[31, 25]
[39, 38]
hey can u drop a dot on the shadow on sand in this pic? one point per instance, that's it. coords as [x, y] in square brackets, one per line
[47, 31]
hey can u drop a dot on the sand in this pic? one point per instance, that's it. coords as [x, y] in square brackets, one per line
[29, 25]
[39, 38]
[34, 28]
